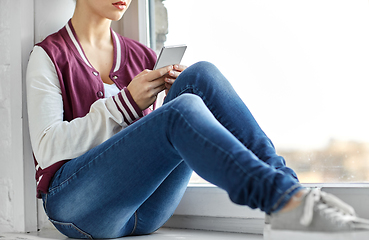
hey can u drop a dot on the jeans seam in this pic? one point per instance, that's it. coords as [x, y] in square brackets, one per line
[74, 227]
[45, 204]
[135, 225]
[194, 90]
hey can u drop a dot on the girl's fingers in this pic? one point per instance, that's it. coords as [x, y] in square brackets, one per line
[169, 80]
[158, 73]
[146, 85]
[179, 68]
[174, 74]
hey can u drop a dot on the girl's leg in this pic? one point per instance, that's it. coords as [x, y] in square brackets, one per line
[205, 80]
[104, 193]
[109, 191]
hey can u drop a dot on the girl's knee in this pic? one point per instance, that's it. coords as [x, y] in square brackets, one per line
[188, 100]
[203, 73]
[202, 67]
[187, 105]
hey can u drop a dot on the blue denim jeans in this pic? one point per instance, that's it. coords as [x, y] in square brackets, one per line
[132, 183]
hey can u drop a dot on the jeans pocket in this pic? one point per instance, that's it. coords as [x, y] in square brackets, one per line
[70, 230]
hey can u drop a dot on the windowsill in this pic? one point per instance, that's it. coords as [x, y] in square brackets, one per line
[167, 233]
[161, 234]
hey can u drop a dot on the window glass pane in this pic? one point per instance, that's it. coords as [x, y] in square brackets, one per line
[302, 67]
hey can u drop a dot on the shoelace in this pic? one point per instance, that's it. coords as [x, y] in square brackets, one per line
[328, 205]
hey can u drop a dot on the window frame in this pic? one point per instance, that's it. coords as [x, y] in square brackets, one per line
[207, 207]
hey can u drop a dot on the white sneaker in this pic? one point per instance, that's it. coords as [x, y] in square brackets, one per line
[319, 212]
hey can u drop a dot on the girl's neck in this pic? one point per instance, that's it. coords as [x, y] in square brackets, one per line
[92, 30]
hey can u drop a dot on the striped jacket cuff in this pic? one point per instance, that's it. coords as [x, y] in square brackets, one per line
[127, 106]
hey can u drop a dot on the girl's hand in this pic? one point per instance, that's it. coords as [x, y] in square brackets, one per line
[173, 74]
[145, 87]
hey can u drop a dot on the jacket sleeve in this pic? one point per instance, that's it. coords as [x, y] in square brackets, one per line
[54, 139]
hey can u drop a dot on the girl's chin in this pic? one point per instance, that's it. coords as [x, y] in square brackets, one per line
[116, 17]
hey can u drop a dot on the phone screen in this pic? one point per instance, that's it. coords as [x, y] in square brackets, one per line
[170, 55]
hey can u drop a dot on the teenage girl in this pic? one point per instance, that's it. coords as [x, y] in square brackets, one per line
[108, 166]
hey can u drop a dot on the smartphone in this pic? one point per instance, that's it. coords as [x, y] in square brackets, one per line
[170, 55]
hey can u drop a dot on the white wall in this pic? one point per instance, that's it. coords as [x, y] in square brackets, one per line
[50, 16]
[19, 28]
[6, 210]
[16, 36]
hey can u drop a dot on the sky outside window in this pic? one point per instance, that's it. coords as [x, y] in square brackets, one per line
[302, 67]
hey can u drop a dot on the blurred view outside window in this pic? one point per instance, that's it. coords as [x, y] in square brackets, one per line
[302, 67]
